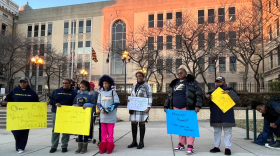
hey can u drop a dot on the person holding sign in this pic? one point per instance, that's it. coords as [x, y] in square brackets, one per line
[220, 120]
[140, 89]
[22, 93]
[83, 99]
[107, 103]
[63, 96]
[186, 95]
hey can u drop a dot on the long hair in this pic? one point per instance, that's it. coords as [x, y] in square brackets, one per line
[86, 83]
[106, 78]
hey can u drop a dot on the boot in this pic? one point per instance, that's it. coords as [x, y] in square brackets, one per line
[110, 147]
[142, 128]
[84, 149]
[80, 146]
[134, 135]
[102, 147]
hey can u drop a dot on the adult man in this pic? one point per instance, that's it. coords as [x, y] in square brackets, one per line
[22, 93]
[63, 96]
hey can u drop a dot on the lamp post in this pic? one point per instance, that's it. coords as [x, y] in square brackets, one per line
[59, 71]
[144, 71]
[125, 56]
[36, 60]
[84, 73]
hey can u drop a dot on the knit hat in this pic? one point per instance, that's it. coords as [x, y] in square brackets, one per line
[92, 85]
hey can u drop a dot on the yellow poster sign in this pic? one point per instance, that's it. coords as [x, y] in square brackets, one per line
[26, 115]
[223, 101]
[72, 120]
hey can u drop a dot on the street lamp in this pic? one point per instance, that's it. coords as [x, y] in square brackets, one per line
[125, 56]
[36, 61]
[84, 73]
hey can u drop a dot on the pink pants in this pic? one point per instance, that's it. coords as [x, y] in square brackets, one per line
[107, 129]
[182, 139]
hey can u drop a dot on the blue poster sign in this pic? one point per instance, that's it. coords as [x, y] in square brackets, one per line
[182, 123]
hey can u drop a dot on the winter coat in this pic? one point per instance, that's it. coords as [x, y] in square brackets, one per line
[19, 95]
[62, 96]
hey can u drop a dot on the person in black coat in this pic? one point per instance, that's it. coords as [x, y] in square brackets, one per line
[220, 120]
[22, 93]
[186, 95]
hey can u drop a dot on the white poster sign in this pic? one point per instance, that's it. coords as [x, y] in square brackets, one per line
[137, 103]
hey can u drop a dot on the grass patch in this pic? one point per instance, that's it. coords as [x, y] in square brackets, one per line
[242, 124]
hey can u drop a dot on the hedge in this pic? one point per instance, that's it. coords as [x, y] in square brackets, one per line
[274, 86]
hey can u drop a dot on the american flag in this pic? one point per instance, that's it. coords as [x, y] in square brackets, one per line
[71, 56]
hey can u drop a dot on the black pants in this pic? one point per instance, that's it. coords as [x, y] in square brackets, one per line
[276, 131]
[83, 138]
[21, 137]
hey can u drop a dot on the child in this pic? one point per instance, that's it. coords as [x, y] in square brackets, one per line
[107, 103]
[83, 99]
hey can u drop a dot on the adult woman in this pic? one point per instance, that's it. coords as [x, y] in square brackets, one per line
[186, 95]
[140, 89]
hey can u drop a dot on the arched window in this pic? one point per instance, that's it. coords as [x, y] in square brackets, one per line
[118, 46]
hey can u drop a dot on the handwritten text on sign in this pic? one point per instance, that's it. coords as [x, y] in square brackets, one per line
[223, 101]
[182, 123]
[137, 103]
[26, 115]
[72, 120]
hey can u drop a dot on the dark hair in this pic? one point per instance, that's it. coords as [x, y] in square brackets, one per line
[139, 72]
[86, 83]
[106, 78]
[255, 104]
[68, 80]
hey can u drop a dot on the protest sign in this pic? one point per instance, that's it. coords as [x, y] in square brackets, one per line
[223, 101]
[72, 120]
[137, 103]
[182, 123]
[26, 115]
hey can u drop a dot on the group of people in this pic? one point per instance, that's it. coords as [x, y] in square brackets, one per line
[186, 95]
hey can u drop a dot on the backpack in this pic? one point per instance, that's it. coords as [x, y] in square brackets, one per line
[265, 137]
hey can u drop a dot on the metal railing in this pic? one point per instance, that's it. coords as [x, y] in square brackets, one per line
[254, 124]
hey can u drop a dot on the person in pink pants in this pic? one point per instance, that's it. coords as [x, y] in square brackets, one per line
[107, 103]
[186, 95]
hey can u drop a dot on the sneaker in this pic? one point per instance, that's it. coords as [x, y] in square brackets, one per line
[64, 150]
[20, 151]
[269, 144]
[190, 150]
[52, 150]
[215, 150]
[227, 151]
[274, 146]
[180, 147]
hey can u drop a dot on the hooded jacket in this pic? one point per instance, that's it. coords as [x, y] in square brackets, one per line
[19, 95]
[62, 96]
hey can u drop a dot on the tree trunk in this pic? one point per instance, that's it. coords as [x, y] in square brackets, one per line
[245, 78]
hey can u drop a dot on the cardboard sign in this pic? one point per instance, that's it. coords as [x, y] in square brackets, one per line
[72, 120]
[182, 123]
[137, 103]
[26, 115]
[223, 101]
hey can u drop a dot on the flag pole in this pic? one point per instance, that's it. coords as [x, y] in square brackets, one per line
[110, 45]
[72, 65]
[89, 77]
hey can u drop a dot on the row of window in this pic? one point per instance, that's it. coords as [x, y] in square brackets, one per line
[81, 46]
[271, 59]
[276, 4]
[221, 15]
[169, 17]
[42, 30]
[73, 27]
[276, 31]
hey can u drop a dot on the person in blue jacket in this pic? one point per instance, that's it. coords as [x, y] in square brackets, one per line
[22, 93]
[63, 96]
[83, 99]
[271, 113]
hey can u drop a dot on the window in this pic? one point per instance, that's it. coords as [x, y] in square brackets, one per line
[201, 40]
[212, 63]
[42, 50]
[36, 30]
[178, 42]
[81, 27]
[73, 27]
[40, 89]
[3, 29]
[211, 40]
[271, 60]
[222, 64]
[276, 3]
[29, 31]
[201, 64]
[88, 49]
[211, 16]
[50, 29]
[159, 65]
[168, 65]
[211, 86]
[88, 26]
[66, 28]
[118, 44]
[49, 48]
[270, 33]
[79, 65]
[278, 56]
[72, 47]
[65, 48]
[167, 88]
[43, 30]
[178, 18]
[35, 50]
[232, 38]
[34, 70]
[277, 28]
[41, 70]
[169, 19]
[178, 63]
[232, 64]
[151, 21]
[221, 15]
[168, 42]
[160, 43]
[222, 39]
[160, 20]
[150, 43]
[231, 14]
[87, 65]
[269, 6]
[80, 47]
[151, 64]
[5, 15]
[27, 70]
[233, 85]
[200, 16]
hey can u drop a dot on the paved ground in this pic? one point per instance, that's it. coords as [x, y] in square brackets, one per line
[157, 143]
